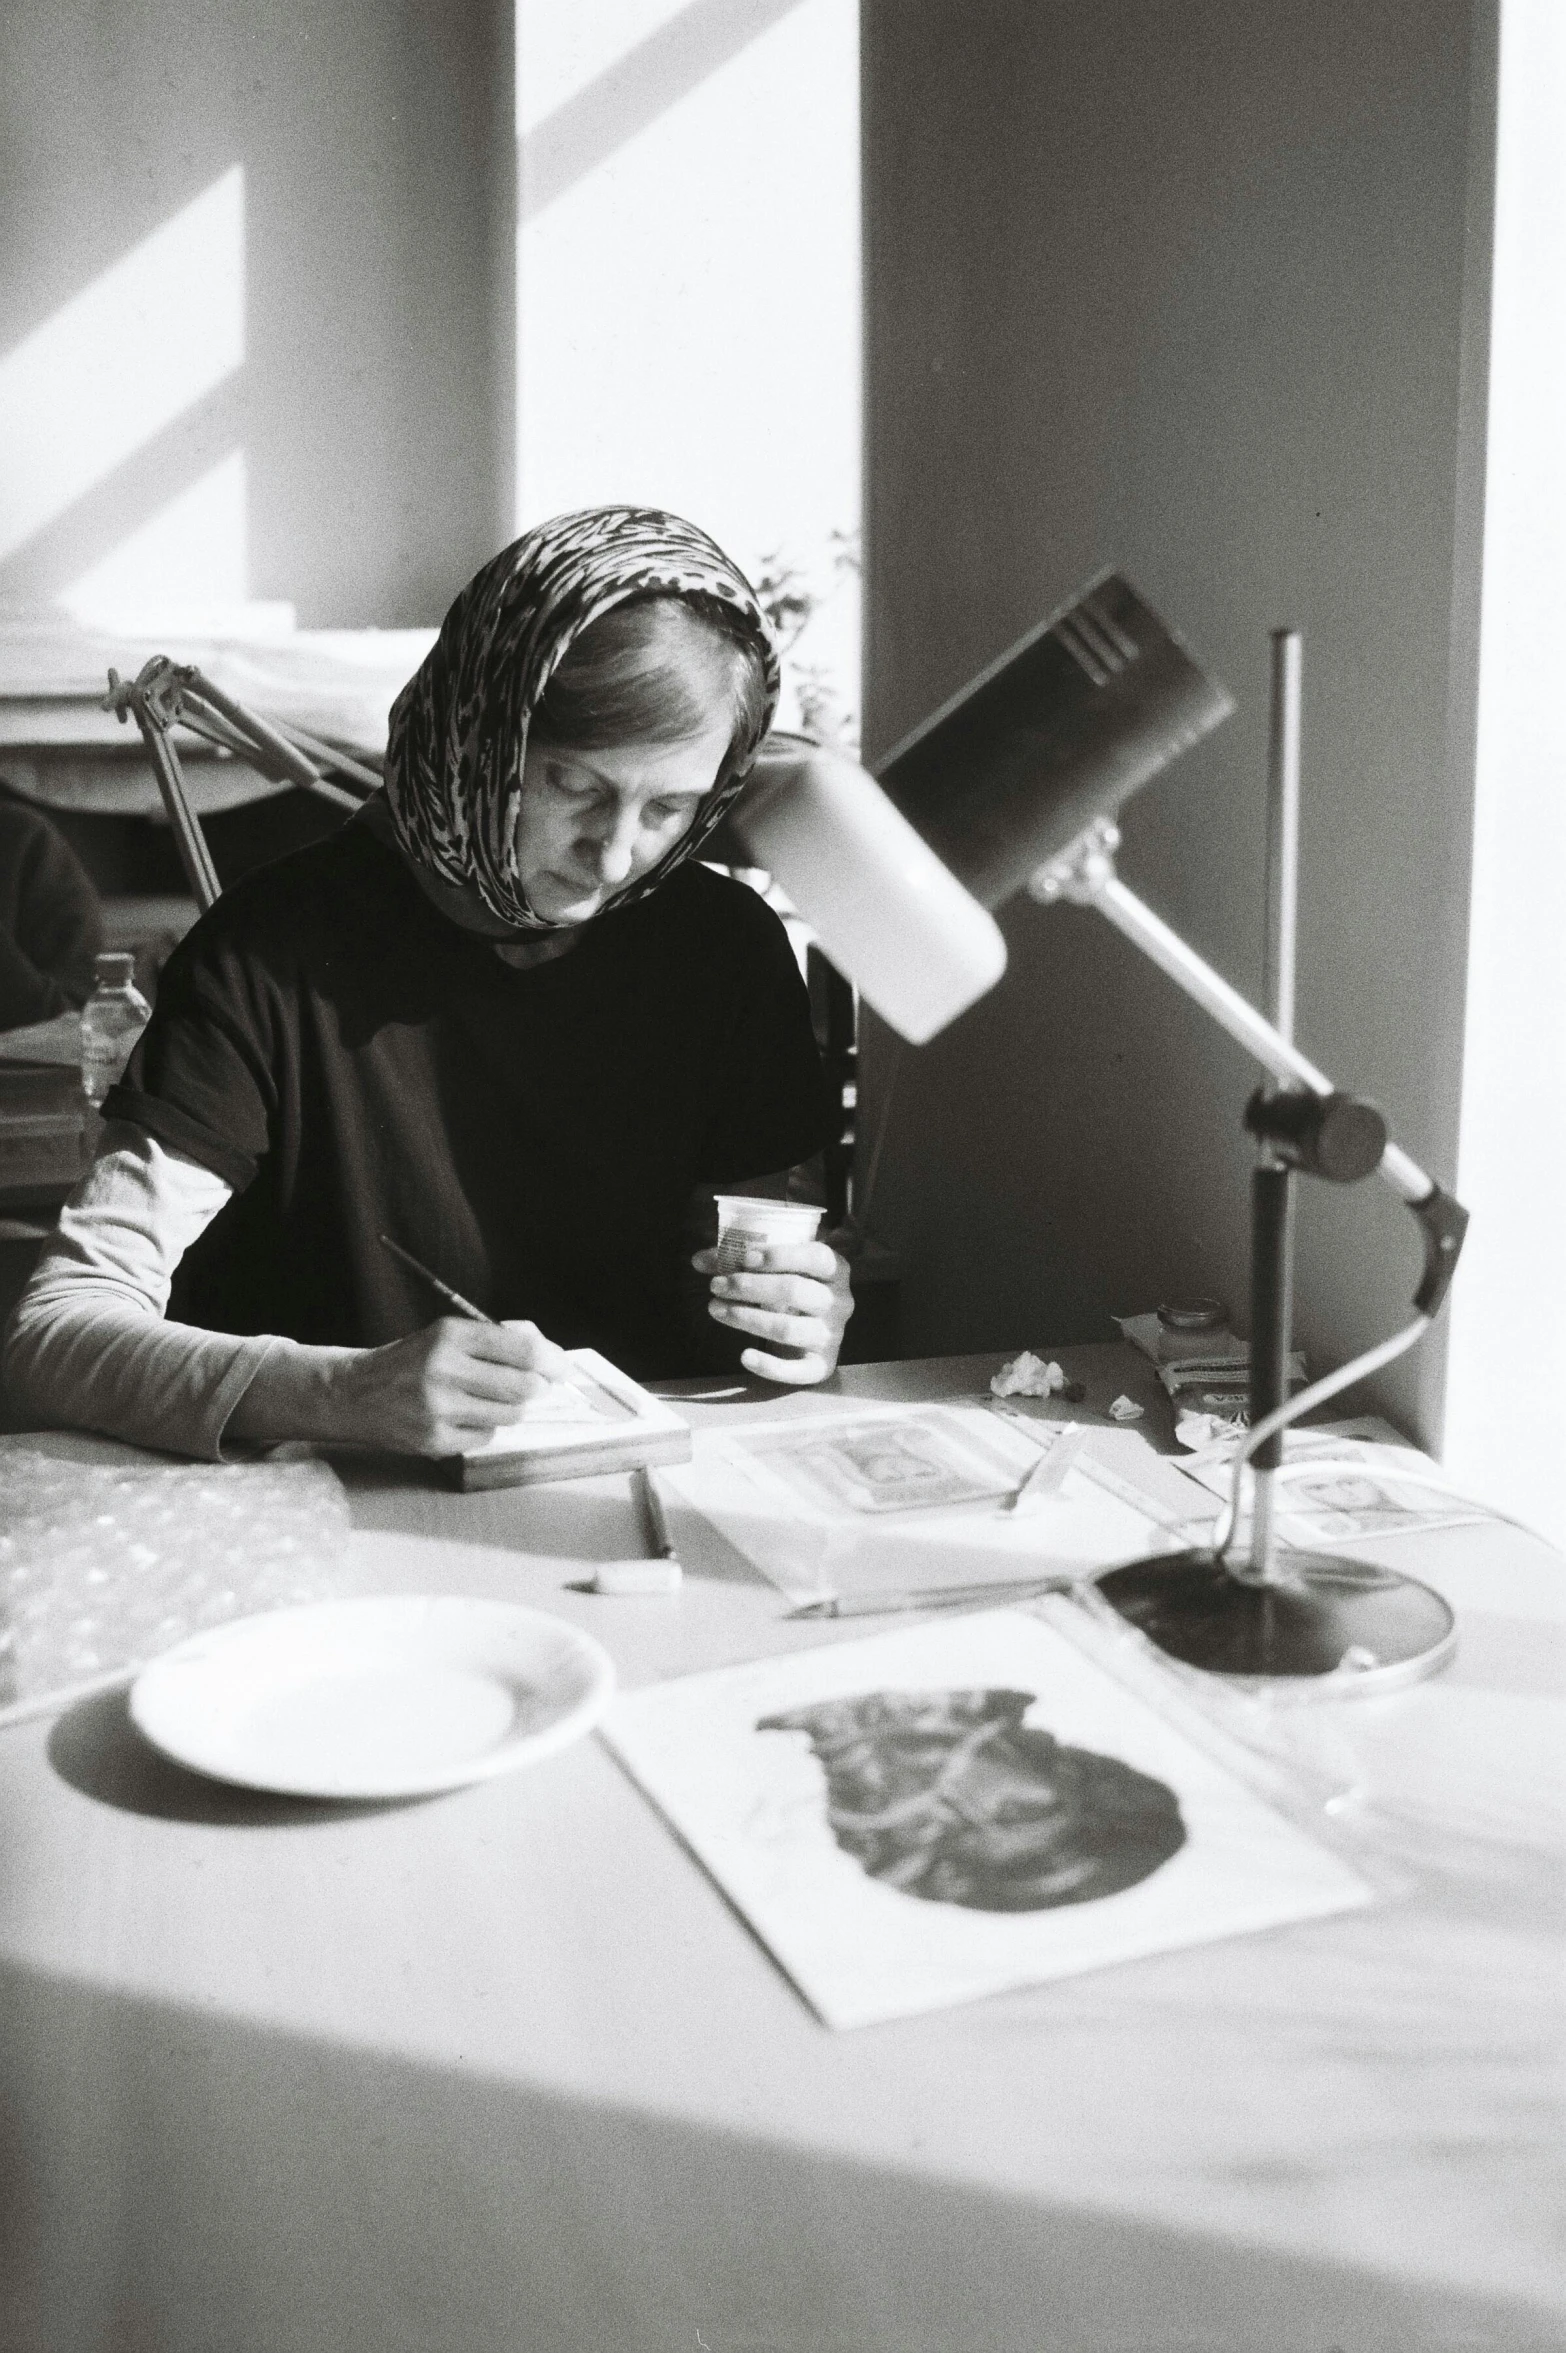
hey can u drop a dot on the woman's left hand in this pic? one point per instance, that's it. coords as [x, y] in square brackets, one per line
[796, 1298]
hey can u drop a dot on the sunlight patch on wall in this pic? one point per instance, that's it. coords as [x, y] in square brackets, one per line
[1506, 1373]
[122, 360]
[688, 294]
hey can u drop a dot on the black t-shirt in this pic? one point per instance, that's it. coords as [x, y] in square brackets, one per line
[355, 1064]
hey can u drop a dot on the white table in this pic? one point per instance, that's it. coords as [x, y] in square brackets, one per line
[503, 2071]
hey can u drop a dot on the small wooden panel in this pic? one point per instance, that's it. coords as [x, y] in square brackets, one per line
[631, 1450]
[623, 1428]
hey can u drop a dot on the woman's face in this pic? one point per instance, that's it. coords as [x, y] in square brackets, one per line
[592, 823]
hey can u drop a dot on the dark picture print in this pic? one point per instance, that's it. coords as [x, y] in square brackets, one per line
[950, 1796]
[943, 1811]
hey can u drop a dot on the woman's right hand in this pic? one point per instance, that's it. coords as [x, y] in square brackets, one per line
[443, 1389]
[440, 1391]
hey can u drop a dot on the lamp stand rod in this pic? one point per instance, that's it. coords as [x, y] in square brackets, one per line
[1272, 1180]
[1283, 828]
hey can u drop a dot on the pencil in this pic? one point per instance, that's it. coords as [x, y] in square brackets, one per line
[660, 1544]
[934, 1597]
[475, 1315]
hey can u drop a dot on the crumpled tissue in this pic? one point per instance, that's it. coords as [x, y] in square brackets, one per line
[1027, 1375]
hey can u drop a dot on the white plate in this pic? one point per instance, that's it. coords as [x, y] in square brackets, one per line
[385, 1696]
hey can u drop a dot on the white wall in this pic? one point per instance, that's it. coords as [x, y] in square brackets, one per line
[1183, 289]
[1506, 1400]
[255, 341]
[688, 275]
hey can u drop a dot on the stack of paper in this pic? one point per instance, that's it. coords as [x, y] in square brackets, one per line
[875, 1499]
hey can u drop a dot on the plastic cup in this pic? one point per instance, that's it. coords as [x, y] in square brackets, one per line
[746, 1223]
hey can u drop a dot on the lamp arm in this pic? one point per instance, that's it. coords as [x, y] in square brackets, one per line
[1085, 874]
[165, 694]
[266, 743]
[128, 699]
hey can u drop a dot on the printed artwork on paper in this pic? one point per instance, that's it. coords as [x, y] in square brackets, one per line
[955, 1809]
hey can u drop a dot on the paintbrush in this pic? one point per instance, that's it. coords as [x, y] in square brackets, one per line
[475, 1315]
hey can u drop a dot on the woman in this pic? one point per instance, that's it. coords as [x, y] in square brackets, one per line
[503, 1017]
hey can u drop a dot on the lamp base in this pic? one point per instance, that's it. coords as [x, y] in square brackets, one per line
[1340, 1625]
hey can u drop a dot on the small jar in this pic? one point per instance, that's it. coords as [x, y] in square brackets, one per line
[1185, 1329]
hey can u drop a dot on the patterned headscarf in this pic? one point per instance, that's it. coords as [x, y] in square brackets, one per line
[459, 727]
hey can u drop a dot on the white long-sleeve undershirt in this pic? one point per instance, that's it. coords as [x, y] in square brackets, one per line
[88, 1346]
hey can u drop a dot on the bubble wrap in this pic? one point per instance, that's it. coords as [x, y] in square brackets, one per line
[104, 1565]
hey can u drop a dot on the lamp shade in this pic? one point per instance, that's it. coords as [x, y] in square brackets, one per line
[915, 944]
[896, 876]
[1062, 729]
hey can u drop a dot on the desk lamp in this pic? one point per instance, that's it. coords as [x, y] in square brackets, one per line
[1016, 784]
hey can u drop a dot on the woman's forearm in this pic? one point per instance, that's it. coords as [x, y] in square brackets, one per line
[88, 1347]
[295, 1392]
[83, 1357]
[80, 1355]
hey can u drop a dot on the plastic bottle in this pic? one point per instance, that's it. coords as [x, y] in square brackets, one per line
[113, 1018]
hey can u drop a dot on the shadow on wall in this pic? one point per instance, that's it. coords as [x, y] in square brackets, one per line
[597, 120]
[255, 302]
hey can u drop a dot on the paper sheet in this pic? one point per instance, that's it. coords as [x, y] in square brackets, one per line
[943, 1812]
[769, 1490]
[1370, 1484]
